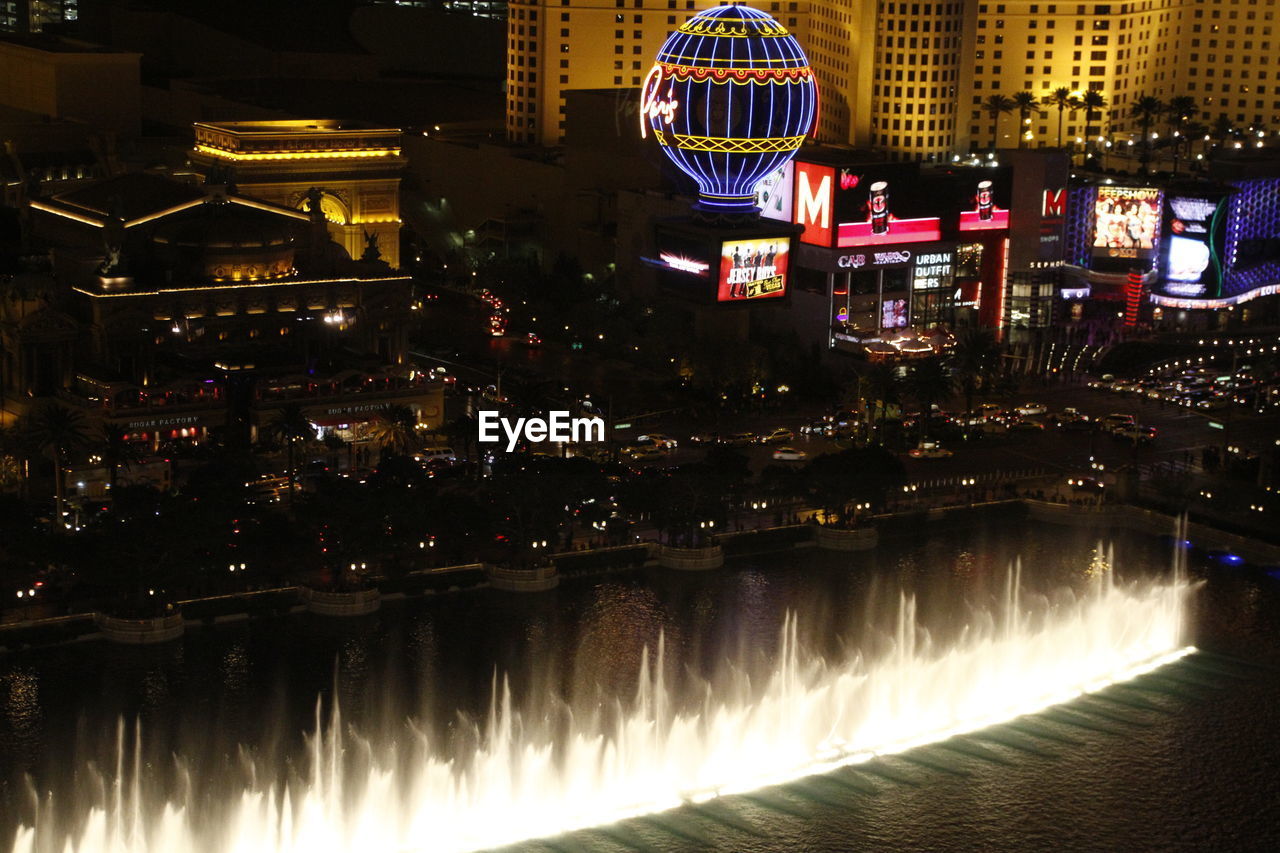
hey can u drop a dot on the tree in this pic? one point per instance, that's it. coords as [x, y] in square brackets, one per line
[1094, 102]
[1025, 103]
[1223, 129]
[61, 432]
[1196, 132]
[883, 389]
[116, 450]
[1179, 112]
[857, 475]
[393, 429]
[1146, 109]
[928, 381]
[1063, 100]
[975, 360]
[996, 106]
[290, 425]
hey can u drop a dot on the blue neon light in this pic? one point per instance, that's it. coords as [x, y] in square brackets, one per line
[730, 98]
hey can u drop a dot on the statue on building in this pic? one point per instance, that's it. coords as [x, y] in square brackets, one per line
[371, 250]
[314, 196]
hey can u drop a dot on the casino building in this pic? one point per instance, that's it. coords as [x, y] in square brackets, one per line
[177, 311]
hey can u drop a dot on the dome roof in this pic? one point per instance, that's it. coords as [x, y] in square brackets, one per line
[222, 241]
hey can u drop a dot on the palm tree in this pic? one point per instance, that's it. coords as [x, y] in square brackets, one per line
[1179, 112]
[974, 360]
[1094, 102]
[116, 450]
[1196, 132]
[1025, 103]
[393, 429]
[1063, 100]
[1223, 129]
[290, 425]
[883, 389]
[60, 431]
[928, 382]
[1146, 109]
[995, 106]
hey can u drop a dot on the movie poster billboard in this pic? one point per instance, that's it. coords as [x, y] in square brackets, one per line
[1193, 243]
[753, 269]
[1126, 222]
[773, 194]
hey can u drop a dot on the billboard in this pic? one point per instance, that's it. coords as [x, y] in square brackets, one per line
[773, 195]
[884, 203]
[893, 314]
[1126, 222]
[815, 190]
[1194, 224]
[984, 202]
[753, 269]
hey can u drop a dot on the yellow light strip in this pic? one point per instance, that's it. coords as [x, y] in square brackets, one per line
[270, 208]
[299, 155]
[240, 285]
[66, 214]
[175, 209]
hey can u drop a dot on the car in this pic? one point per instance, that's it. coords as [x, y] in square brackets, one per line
[929, 450]
[1115, 420]
[705, 438]
[779, 435]
[818, 427]
[532, 340]
[1026, 424]
[1085, 484]
[1068, 416]
[1032, 409]
[740, 439]
[1134, 432]
[665, 442]
[431, 454]
[642, 451]
[1213, 404]
[789, 454]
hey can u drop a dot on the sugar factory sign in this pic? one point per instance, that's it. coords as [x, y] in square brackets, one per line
[933, 270]
[153, 423]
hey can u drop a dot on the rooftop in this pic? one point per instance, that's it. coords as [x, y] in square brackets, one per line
[57, 44]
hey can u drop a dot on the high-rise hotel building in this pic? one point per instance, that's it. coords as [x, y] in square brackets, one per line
[909, 78]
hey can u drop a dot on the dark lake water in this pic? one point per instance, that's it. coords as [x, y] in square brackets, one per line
[1193, 766]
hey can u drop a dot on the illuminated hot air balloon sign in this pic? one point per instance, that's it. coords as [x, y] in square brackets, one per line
[730, 99]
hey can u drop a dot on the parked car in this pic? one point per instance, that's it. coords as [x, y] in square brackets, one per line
[789, 454]
[929, 450]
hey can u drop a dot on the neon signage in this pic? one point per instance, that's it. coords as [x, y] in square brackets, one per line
[652, 105]
[676, 262]
[814, 187]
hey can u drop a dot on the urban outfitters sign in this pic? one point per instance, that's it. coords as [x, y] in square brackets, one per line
[933, 270]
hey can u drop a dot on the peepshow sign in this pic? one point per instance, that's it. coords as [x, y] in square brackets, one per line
[753, 269]
[1126, 222]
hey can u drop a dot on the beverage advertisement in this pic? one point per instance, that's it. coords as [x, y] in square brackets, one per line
[885, 203]
[984, 204]
[753, 269]
[1126, 222]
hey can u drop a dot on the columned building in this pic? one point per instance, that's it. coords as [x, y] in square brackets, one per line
[356, 167]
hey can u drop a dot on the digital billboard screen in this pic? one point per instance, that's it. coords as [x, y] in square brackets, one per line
[1126, 222]
[884, 203]
[773, 195]
[753, 269]
[984, 200]
[1193, 243]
